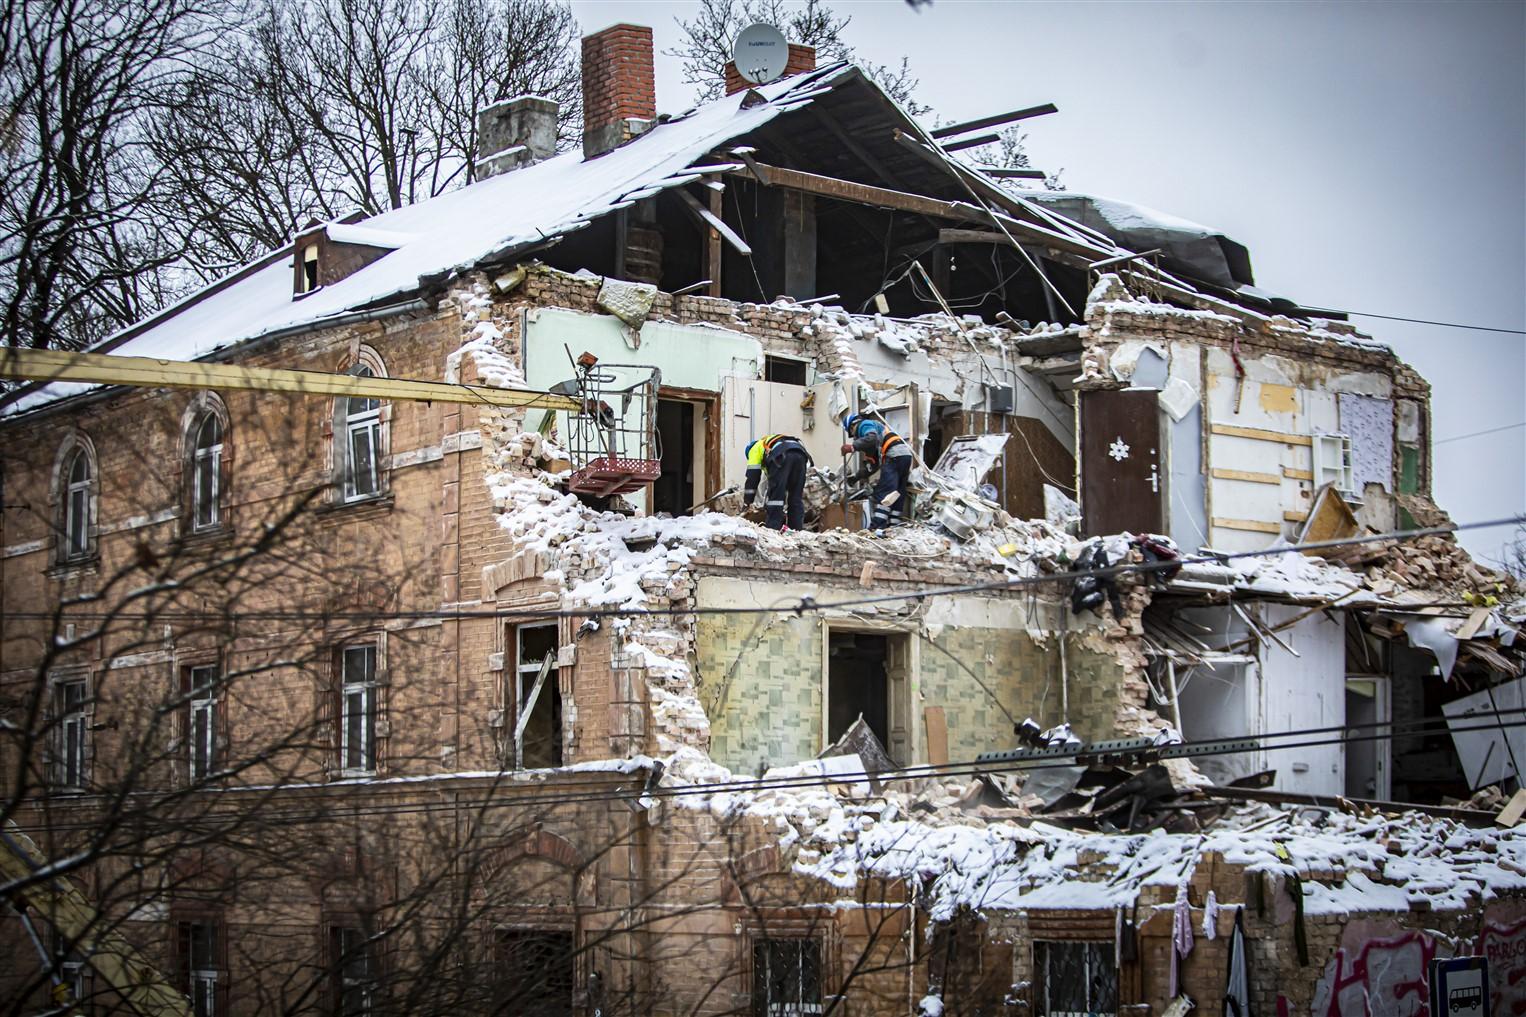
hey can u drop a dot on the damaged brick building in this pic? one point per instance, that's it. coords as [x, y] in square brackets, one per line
[529, 718]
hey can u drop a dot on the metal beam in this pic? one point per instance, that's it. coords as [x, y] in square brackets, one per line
[147, 372]
[999, 118]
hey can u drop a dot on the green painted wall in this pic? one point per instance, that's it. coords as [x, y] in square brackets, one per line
[690, 356]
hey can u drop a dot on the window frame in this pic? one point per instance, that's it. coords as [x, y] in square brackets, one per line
[341, 980]
[525, 675]
[207, 459]
[367, 688]
[70, 761]
[76, 503]
[209, 706]
[207, 983]
[762, 945]
[1042, 1003]
[349, 424]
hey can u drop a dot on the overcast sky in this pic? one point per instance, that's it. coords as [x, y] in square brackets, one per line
[1372, 156]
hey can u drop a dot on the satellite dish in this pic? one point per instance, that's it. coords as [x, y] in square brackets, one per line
[760, 53]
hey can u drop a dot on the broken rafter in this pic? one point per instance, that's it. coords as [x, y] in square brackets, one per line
[149, 372]
[1012, 172]
[995, 119]
[709, 220]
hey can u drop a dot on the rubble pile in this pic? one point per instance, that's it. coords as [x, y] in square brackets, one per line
[1436, 563]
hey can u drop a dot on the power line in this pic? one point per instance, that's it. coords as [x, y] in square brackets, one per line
[804, 606]
[1443, 324]
[1475, 434]
[1419, 727]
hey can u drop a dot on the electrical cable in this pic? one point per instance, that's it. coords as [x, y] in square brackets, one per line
[1443, 324]
[1475, 434]
[1419, 727]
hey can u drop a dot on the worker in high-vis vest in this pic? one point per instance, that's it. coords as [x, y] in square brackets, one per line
[887, 452]
[786, 461]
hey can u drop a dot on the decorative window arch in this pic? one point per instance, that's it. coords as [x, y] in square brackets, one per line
[76, 486]
[361, 436]
[205, 428]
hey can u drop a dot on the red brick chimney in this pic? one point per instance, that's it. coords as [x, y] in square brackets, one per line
[618, 86]
[801, 59]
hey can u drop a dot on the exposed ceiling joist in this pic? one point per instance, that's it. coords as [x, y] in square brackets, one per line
[998, 118]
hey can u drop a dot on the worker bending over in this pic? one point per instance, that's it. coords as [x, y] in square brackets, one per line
[887, 452]
[786, 460]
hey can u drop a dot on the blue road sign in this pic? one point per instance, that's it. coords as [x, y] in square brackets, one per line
[1459, 987]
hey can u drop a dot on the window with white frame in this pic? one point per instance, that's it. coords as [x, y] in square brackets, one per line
[201, 965]
[362, 443]
[1332, 462]
[70, 733]
[786, 977]
[201, 725]
[537, 697]
[357, 710]
[206, 474]
[76, 507]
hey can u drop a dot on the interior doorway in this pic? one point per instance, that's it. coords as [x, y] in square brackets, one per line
[1367, 754]
[674, 489]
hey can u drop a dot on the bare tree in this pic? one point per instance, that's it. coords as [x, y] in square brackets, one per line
[711, 32]
[78, 82]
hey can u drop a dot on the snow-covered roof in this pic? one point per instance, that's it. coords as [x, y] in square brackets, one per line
[452, 232]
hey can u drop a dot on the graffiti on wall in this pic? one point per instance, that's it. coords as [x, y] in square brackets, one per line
[1380, 978]
[1505, 948]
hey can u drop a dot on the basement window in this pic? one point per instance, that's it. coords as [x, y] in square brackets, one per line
[537, 738]
[786, 977]
[535, 972]
[1075, 979]
[784, 370]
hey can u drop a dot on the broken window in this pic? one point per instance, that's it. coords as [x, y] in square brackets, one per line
[353, 967]
[357, 709]
[201, 721]
[537, 697]
[69, 749]
[535, 972]
[309, 278]
[783, 370]
[1074, 979]
[866, 676]
[786, 977]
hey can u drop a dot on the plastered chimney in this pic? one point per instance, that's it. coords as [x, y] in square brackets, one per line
[801, 59]
[515, 132]
[619, 89]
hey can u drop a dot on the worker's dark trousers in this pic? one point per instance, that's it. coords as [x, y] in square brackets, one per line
[786, 488]
[895, 475]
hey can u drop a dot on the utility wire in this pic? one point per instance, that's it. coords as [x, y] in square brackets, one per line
[1443, 324]
[1475, 434]
[803, 606]
[1420, 727]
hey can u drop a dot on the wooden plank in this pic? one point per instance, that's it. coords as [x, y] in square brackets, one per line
[864, 194]
[1027, 113]
[937, 735]
[1260, 434]
[975, 142]
[1330, 518]
[713, 246]
[1511, 814]
[1249, 525]
[1013, 173]
[1292, 474]
[149, 372]
[1476, 619]
[1290, 516]
[1249, 476]
[713, 221]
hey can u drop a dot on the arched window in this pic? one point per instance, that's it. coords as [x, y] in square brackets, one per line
[206, 474]
[77, 500]
[362, 443]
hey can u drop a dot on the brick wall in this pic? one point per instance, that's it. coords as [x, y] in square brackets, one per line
[618, 84]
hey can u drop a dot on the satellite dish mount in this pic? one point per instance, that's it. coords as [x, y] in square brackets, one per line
[760, 53]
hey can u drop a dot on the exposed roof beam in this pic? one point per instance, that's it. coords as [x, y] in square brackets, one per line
[975, 142]
[148, 372]
[1013, 173]
[992, 121]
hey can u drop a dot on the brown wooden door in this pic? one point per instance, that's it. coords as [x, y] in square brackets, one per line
[1122, 477]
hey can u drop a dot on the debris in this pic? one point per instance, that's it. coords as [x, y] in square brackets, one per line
[861, 741]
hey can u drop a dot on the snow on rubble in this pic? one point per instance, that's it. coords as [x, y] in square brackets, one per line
[840, 834]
